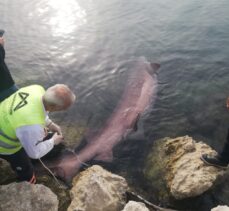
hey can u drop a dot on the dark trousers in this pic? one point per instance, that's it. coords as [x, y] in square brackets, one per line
[225, 151]
[21, 164]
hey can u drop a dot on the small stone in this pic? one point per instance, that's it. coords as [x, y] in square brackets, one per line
[135, 206]
[220, 208]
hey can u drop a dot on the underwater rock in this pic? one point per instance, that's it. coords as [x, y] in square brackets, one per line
[135, 206]
[220, 208]
[24, 196]
[178, 161]
[98, 190]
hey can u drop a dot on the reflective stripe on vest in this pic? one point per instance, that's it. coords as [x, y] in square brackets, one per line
[5, 145]
[9, 142]
[4, 135]
[5, 151]
[8, 146]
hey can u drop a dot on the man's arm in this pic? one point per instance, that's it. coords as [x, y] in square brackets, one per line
[52, 126]
[31, 139]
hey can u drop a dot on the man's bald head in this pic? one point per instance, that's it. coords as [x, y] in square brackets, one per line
[58, 97]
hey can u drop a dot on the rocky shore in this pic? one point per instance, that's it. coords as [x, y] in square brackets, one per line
[175, 161]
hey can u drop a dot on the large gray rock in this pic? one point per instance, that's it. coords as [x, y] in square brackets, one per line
[96, 189]
[135, 206]
[179, 162]
[26, 197]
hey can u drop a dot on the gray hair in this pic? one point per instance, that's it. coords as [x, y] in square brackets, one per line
[59, 95]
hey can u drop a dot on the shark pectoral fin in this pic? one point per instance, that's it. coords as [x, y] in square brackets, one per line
[105, 156]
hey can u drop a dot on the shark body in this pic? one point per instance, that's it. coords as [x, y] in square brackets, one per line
[139, 94]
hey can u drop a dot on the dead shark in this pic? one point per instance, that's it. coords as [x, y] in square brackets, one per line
[139, 93]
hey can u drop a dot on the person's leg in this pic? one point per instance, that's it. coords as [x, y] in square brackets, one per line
[221, 159]
[225, 151]
[6, 93]
[7, 85]
[21, 164]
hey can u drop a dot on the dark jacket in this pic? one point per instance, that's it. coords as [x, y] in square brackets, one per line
[6, 80]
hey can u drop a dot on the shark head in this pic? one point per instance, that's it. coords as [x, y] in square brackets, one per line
[152, 68]
[155, 67]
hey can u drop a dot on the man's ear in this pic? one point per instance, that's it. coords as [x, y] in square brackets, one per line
[50, 108]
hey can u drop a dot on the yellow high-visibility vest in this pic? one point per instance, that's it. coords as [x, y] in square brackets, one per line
[24, 107]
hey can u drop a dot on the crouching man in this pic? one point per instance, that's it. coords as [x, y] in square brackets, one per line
[23, 119]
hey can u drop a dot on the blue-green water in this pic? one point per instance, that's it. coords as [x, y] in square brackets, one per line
[81, 43]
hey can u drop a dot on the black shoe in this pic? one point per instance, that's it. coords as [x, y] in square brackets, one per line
[214, 161]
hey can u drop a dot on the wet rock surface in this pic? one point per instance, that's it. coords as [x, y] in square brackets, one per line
[178, 161]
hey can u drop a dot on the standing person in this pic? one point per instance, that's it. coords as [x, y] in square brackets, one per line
[222, 158]
[7, 85]
[24, 119]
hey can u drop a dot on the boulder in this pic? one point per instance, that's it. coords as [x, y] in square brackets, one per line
[98, 190]
[135, 206]
[178, 161]
[24, 196]
[220, 208]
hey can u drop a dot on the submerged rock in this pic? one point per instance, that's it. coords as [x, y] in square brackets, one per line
[98, 190]
[180, 165]
[24, 196]
[135, 206]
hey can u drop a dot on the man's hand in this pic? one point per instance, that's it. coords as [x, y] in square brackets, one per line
[55, 128]
[57, 138]
[2, 41]
[227, 103]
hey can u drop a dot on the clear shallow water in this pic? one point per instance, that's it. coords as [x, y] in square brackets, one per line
[82, 43]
